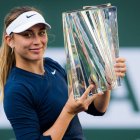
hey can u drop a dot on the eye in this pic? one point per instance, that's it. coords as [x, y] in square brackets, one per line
[42, 33]
[27, 34]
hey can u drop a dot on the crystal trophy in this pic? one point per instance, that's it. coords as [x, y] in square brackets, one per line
[91, 45]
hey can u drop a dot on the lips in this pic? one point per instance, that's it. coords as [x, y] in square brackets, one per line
[35, 50]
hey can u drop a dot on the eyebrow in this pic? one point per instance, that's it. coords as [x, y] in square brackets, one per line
[30, 30]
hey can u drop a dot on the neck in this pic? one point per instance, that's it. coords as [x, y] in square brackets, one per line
[36, 67]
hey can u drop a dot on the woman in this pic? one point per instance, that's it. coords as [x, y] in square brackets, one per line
[35, 90]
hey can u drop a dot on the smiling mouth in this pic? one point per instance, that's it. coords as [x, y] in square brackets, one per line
[35, 50]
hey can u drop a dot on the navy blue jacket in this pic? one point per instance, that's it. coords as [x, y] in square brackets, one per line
[33, 102]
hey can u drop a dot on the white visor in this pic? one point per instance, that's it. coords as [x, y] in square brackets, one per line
[25, 21]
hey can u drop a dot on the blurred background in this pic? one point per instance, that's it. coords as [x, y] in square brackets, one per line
[122, 119]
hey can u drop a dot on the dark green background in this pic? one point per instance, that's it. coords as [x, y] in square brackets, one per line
[92, 134]
[128, 17]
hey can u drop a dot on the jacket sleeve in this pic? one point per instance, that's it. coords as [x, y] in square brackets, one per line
[19, 109]
[93, 111]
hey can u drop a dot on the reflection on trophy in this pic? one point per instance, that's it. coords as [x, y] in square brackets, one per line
[91, 45]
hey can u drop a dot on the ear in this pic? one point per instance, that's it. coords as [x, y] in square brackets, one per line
[9, 41]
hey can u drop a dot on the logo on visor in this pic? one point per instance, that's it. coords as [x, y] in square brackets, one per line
[30, 16]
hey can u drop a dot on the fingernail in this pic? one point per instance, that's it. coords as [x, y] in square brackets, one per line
[91, 86]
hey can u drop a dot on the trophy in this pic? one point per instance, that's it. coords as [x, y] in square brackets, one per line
[91, 46]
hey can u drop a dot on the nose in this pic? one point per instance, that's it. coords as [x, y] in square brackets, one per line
[36, 39]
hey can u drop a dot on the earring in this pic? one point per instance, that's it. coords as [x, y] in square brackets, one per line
[12, 50]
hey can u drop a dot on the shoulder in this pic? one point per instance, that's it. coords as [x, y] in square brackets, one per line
[17, 92]
[51, 62]
[17, 96]
[13, 88]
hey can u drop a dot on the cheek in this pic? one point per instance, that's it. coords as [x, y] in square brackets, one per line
[45, 40]
[22, 45]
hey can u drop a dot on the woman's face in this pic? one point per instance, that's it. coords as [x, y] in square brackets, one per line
[30, 45]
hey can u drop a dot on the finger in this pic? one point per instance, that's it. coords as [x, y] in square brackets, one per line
[120, 74]
[120, 59]
[88, 90]
[91, 81]
[123, 65]
[71, 92]
[70, 89]
[90, 99]
[122, 70]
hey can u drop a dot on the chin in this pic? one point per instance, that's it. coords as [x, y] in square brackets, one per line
[35, 58]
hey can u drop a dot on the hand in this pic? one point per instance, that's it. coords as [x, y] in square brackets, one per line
[74, 106]
[120, 67]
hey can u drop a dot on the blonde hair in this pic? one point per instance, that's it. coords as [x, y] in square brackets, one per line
[7, 57]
